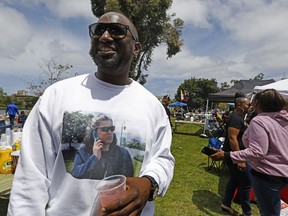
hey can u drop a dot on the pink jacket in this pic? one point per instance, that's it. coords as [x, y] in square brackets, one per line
[266, 142]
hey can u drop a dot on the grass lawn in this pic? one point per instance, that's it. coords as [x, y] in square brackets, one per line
[195, 190]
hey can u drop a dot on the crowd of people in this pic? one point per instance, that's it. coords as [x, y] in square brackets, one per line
[255, 154]
[265, 150]
[255, 151]
[12, 117]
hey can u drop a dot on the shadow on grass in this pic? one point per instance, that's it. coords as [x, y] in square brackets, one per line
[223, 179]
[185, 131]
[206, 201]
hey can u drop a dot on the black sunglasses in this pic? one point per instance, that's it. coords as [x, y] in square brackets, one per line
[106, 129]
[117, 31]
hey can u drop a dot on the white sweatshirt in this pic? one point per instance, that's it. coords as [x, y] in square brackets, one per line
[43, 184]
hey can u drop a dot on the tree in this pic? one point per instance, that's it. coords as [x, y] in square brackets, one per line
[259, 77]
[74, 127]
[233, 81]
[2, 93]
[153, 24]
[198, 90]
[53, 73]
[224, 86]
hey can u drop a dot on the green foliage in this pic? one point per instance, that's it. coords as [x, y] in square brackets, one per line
[74, 127]
[2, 93]
[198, 90]
[233, 81]
[23, 102]
[4, 101]
[154, 26]
[259, 77]
[224, 86]
[135, 145]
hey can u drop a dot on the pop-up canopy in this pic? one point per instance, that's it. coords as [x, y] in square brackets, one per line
[281, 86]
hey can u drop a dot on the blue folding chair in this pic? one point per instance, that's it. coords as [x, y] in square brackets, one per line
[215, 143]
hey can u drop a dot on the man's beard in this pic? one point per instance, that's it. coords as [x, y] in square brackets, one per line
[107, 63]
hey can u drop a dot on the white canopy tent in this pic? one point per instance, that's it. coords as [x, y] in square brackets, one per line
[281, 86]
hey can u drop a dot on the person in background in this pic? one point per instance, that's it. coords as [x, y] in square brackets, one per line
[238, 95]
[12, 111]
[165, 102]
[239, 173]
[42, 185]
[266, 150]
[231, 107]
[225, 117]
[22, 118]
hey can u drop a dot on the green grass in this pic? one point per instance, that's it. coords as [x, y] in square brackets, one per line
[195, 190]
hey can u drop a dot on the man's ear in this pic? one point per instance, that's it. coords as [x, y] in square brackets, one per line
[137, 48]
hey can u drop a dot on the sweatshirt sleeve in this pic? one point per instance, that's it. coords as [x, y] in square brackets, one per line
[256, 141]
[160, 163]
[29, 193]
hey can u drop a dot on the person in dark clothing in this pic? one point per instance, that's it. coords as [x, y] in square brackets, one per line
[238, 95]
[165, 102]
[12, 111]
[101, 156]
[22, 118]
[239, 173]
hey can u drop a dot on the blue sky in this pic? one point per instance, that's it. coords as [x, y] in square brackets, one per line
[223, 39]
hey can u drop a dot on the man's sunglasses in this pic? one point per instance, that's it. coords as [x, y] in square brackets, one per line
[117, 31]
[106, 129]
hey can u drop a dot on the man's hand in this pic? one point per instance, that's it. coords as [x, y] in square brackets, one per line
[133, 200]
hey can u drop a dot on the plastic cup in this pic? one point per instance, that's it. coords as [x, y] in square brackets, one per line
[111, 188]
[108, 189]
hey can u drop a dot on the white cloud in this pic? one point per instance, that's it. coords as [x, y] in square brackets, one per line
[192, 12]
[71, 9]
[15, 32]
[254, 23]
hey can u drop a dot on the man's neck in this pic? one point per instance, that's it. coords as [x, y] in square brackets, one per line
[116, 80]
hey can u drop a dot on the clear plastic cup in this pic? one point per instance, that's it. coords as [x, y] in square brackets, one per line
[111, 188]
[108, 189]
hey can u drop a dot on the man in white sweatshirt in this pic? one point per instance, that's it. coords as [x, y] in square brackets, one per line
[43, 184]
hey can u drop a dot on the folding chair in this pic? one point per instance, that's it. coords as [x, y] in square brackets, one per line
[215, 143]
[213, 127]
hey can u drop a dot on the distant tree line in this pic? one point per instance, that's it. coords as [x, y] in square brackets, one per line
[23, 102]
[194, 91]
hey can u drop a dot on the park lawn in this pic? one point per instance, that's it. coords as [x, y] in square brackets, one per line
[195, 190]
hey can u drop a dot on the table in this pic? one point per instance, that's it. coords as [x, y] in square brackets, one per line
[179, 122]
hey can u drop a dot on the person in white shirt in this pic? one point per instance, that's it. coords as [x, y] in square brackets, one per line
[43, 184]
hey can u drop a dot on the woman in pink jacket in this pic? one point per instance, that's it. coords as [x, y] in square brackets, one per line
[266, 141]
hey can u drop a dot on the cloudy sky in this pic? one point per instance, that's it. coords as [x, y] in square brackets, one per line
[223, 39]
